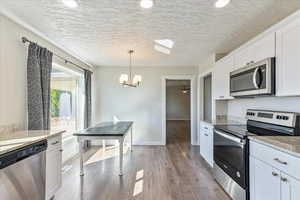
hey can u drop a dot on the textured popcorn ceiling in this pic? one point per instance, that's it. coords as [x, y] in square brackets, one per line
[101, 31]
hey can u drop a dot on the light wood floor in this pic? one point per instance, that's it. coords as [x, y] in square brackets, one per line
[172, 172]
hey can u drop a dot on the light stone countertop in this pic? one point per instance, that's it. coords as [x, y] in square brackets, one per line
[288, 144]
[19, 139]
[224, 120]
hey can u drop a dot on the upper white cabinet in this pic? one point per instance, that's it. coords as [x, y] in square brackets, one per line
[288, 59]
[221, 78]
[256, 51]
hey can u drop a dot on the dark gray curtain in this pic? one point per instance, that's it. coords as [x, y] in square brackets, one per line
[39, 66]
[88, 98]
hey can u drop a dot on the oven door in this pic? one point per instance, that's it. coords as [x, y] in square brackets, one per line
[257, 79]
[230, 154]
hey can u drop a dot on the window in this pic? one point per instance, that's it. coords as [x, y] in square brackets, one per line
[67, 100]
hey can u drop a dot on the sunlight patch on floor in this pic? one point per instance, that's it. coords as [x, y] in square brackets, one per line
[139, 175]
[110, 152]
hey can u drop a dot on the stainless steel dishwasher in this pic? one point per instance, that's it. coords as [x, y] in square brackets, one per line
[22, 173]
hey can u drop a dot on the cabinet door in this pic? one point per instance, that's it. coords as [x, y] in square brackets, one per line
[263, 48]
[256, 51]
[290, 188]
[221, 78]
[242, 57]
[288, 59]
[206, 144]
[264, 181]
[53, 172]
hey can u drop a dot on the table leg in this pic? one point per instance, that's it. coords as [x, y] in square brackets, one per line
[131, 139]
[81, 143]
[103, 146]
[121, 156]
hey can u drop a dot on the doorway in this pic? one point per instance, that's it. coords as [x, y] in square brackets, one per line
[178, 109]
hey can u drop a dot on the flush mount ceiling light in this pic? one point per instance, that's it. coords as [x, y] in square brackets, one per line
[70, 3]
[166, 43]
[126, 80]
[146, 4]
[221, 3]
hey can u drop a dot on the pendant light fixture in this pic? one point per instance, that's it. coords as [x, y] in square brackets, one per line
[127, 80]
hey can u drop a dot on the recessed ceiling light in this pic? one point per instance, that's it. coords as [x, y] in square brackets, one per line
[70, 3]
[146, 3]
[166, 43]
[222, 3]
[162, 49]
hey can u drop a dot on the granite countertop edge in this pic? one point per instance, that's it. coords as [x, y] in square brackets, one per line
[9, 148]
[272, 142]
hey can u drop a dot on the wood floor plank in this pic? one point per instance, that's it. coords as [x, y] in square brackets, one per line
[172, 172]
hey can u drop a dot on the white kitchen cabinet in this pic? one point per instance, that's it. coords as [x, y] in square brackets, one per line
[290, 188]
[53, 166]
[273, 174]
[288, 59]
[221, 78]
[206, 142]
[256, 51]
[264, 181]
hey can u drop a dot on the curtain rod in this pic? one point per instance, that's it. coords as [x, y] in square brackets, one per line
[25, 40]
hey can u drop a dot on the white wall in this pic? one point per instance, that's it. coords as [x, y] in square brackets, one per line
[143, 105]
[238, 107]
[13, 70]
[178, 104]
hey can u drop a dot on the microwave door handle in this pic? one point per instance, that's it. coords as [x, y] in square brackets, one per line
[254, 78]
[232, 138]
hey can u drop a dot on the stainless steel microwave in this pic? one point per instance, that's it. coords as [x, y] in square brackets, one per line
[253, 80]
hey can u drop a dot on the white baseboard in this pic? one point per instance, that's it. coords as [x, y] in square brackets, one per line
[178, 120]
[149, 143]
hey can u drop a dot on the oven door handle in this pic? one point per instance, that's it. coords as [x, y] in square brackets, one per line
[232, 138]
[254, 78]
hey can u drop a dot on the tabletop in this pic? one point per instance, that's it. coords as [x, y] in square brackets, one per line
[106, 129]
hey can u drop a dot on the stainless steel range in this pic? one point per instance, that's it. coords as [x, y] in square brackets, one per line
[231, 147]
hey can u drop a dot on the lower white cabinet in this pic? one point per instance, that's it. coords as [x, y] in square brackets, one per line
[264, 181]
[53, 166]
[267, 182]
[206, 142]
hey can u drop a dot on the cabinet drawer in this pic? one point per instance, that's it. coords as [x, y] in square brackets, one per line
[54, 142]
[278, 159]
[206, 127]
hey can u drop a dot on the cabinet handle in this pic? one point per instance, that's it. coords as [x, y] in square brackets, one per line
[61, 150]
[54, 143]
[274, 174]
[279, 161]
[205, 128]
[206, 134]
[284, 179]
